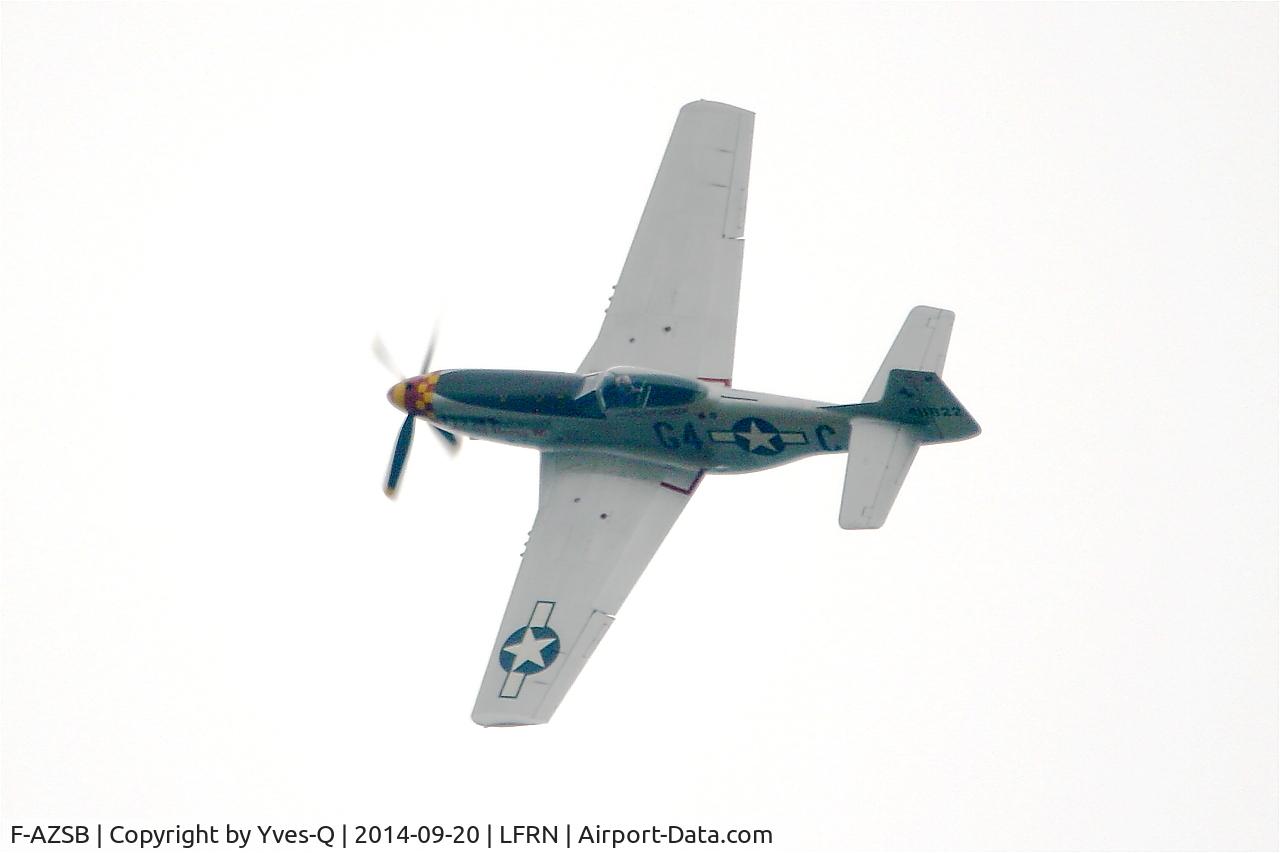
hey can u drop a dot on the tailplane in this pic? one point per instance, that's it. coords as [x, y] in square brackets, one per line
[921, 400]
[921, 345]
[906, 406]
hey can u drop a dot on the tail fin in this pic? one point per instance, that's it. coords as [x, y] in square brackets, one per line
[922, 401]
[907, 405]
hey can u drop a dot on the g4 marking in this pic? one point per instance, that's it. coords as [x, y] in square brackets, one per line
[666, 434]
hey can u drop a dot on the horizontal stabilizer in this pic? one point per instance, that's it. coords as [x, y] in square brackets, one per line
[921, 345]
[880, 455]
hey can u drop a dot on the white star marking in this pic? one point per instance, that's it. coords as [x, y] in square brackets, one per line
[755, 438]
[528, 648]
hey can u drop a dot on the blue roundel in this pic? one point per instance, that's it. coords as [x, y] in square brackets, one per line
[529, 650]
[758, 436]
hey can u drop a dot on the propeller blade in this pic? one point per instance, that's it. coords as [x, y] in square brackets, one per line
[451, 442]
[431, 350]
[398, 458]
[381, 353]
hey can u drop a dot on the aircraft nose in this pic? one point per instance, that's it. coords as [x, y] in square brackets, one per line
[396, 395]
[414, 396]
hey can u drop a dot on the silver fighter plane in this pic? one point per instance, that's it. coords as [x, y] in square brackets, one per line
[626, 439]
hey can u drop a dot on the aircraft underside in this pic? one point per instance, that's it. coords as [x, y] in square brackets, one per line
[736, 432]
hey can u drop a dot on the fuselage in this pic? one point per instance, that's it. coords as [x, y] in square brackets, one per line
[625, 411]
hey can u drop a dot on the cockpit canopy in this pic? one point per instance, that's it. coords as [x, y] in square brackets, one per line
[628, 388]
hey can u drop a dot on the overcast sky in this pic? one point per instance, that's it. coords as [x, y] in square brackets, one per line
[1065, 636]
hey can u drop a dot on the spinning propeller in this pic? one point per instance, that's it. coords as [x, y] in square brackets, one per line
[400, 396]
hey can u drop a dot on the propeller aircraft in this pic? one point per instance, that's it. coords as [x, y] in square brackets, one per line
[626, 439]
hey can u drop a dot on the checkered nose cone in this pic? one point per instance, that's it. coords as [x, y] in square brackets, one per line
[414, 395]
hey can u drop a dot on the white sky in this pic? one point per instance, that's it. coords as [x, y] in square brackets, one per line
[1066, 635]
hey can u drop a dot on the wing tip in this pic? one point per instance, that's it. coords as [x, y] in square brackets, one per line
[494, 720]
[934, 310]
[713, 106]
[860, 523]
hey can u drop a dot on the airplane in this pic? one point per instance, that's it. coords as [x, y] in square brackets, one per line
[626, 439]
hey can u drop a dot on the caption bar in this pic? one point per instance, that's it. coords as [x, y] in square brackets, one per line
[345, 836]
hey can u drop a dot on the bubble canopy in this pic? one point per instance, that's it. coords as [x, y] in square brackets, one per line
[632, 388]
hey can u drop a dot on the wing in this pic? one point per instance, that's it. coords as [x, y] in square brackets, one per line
[675, 307]
[600, 520]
